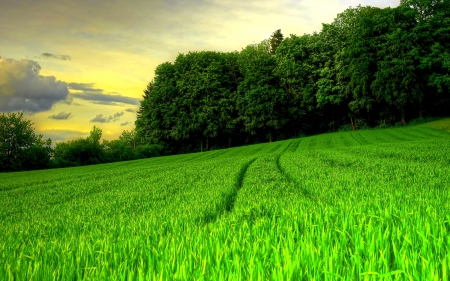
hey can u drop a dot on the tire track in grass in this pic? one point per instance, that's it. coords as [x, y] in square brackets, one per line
[226, 205]
[247, 150]
[355, 139]
[362, 139]
[206, 155]
[294, 146]
[288, 177]
[303, 145]
[212, 155]
[286, 148]
[274, 148]
[230, 199]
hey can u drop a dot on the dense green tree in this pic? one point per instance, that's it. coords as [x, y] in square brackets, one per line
[299, 62]
[118, 150]
[37, 156]
[431, 28]
[20, 147]
[396, 80]
[230, 125]
[260, 99]
[129, 146]
[360, 61]
[200, 88]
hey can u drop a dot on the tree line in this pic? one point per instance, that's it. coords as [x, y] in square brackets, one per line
[370, 67]
[22, 149]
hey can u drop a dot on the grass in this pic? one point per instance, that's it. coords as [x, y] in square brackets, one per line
[365, 205]
[441, 124]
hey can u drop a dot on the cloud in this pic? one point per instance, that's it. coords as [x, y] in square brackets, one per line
[22, 88]
[52, 56]
[85, 87]
[130, 110]
[99, 119]
[61, 116]
[124, 124]
[113, 118]
[86, 91]
[107, 99]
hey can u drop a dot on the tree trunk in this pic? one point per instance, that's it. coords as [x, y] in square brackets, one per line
[206, 144]
[403, 116]
[353, 124]
[201, 145]
[229, 142]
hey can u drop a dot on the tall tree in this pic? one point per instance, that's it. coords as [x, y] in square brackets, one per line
[260, 99]
[360, 56]
[298, 66]
[160, 109]
[396, 80]
[130, 138]
[275, 41]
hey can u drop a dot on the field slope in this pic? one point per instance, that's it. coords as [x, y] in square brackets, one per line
[364, 205]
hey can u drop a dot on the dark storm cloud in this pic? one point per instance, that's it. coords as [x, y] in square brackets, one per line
[52, 56]
[22, 88]
[105, 119]
[107, 99]
[61, 116]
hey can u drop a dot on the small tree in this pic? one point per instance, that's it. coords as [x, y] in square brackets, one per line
[80, 152]
[20, 147]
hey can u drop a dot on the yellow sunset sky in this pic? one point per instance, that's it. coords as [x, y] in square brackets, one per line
[73, 64]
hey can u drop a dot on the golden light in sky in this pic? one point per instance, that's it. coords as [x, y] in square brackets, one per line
[75, 64]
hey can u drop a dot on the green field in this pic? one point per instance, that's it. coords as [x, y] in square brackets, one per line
[363, 205]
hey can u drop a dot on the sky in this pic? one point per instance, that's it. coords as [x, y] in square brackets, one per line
[75, 64]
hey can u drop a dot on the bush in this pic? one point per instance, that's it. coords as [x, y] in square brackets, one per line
[148, 150]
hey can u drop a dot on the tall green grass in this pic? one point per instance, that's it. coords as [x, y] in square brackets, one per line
[365, 205]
